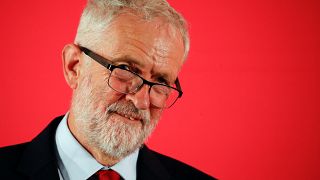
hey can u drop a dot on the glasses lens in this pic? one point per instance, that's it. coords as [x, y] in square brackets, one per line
[124, 81]
[163, 96]
[127, 82]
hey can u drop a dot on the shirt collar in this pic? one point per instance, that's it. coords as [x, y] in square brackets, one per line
[75, 162]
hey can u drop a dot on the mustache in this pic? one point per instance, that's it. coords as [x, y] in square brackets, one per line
[129, 109]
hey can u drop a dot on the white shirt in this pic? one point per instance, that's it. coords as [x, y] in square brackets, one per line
[76, 163]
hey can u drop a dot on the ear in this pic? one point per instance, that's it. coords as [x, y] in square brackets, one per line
[71, 64]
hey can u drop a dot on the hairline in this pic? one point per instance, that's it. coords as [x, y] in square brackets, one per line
[90, 35]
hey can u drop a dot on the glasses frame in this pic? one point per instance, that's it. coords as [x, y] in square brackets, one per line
[107, 64]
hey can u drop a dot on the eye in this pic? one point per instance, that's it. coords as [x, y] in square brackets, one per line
[129, 68]
[124, 66]
[162, 80]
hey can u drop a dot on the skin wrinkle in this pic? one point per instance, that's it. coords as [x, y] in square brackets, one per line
[162, 27]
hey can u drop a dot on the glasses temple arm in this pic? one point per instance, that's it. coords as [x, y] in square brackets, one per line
[178, 87]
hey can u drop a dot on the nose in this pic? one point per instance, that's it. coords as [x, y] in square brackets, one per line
[141, 98]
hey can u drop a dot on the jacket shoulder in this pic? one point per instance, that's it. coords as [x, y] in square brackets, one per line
[10, 157]
[10, 154]
[31, 160]
[180, 170]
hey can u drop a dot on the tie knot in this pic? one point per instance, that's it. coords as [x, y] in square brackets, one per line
[108, 175]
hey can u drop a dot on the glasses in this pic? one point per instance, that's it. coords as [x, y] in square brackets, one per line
[122, 80]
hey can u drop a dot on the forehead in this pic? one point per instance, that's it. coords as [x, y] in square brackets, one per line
[155, 46]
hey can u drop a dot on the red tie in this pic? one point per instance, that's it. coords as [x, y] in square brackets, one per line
[108, 175]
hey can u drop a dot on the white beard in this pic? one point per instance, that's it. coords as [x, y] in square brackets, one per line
[99, 125]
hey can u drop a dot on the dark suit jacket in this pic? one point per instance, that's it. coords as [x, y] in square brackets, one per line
[37, 160]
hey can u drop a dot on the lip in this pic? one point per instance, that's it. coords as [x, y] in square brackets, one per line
[130, 118]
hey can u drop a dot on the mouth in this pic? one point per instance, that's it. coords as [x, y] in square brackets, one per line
[129, 117]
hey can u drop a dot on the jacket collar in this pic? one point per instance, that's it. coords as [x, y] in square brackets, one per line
[149, 166]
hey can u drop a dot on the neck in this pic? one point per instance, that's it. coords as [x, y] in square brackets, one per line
[100, 156]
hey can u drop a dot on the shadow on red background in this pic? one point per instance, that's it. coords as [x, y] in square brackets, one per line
[251, 104]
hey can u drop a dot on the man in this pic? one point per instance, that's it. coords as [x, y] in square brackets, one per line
[123, 70]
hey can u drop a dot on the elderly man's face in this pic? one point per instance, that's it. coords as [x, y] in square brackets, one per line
[155, 51]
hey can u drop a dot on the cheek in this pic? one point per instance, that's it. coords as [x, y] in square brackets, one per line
[155, 114]
[103, 92]
[110, 96]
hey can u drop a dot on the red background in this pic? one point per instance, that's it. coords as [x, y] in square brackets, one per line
[251, 104]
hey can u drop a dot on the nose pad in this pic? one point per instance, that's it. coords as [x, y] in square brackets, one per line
[141, 98]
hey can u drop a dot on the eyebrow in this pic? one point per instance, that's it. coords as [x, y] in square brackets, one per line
[128, 59]
[168, 80]
[135, 63]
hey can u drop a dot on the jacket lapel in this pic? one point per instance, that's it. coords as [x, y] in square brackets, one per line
[149, 166]
[38, 160]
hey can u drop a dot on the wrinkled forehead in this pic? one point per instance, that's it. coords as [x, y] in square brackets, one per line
[132, 24]
[153, 44]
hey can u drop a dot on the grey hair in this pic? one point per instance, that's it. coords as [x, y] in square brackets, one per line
[99, 13]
